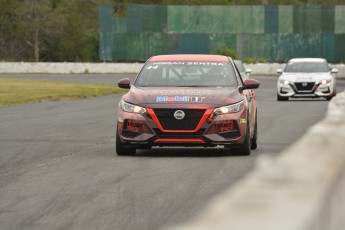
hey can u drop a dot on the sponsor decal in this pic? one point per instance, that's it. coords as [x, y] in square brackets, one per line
[243, 121]
[179, 99]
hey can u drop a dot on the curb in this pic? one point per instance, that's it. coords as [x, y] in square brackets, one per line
[302, 188]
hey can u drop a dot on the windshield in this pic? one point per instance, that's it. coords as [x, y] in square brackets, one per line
[307, 67]
[188, 74]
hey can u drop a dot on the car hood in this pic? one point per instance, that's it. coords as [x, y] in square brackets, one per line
[305, 77]
[183, 97]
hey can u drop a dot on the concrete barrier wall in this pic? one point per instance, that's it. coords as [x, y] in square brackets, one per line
[302, 188]
[105, 68]
[68, 67]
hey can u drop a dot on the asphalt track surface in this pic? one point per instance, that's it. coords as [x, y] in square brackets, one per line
[58, 168]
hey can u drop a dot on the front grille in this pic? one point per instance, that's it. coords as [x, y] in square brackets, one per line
[304, 86]
[179, 135]
[189, 122]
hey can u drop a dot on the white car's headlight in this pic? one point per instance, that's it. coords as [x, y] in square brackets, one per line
[325, 81]
[284, 82]
[234, 108]
[131, 108]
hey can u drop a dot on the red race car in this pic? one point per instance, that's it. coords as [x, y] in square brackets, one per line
[188, 100]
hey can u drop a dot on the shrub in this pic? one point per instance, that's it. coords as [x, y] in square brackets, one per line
[226, 51]
[249, 60]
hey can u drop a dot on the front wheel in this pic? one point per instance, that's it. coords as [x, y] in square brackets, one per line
[244, 149]
[329, 97]
[254, 140]
[121, 149]
[280, 98]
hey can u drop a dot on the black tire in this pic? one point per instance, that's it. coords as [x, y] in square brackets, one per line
[330, 97]
[121, 149]
[244, 149]
[254, 140]
[279, 98]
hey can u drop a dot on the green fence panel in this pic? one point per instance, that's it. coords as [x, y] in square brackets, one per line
[106, 36]
[216, 19]
[271, 19]
[119, 25]
[219, 41]
[195, 19]
[298, 45]
[256, 46]
[178, 19]
[193, 43]
[307, 19]
[327, 18]
[232, 21]
[173, 40]
[313, 17]
[119, 47]
[275, 33]
[285, 18]
[299, 19]
[245, 19]
[146, 18]
[340, 47]
[328, 46]
[141, 46]
[339, 21]
[208, 19]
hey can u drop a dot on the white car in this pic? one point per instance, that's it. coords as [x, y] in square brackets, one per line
[306, 77]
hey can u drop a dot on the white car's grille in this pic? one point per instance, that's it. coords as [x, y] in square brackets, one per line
[304, 86]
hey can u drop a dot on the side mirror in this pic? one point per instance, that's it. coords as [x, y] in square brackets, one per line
[250, 84]
[124, 83]
[279, 71]
[248, 71]
[334, 71]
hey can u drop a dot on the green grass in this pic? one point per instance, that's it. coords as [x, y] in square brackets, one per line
[22, 91]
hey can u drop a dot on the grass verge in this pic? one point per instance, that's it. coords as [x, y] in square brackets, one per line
[22, 91]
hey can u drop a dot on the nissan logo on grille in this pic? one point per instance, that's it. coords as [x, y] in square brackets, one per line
[179, 114]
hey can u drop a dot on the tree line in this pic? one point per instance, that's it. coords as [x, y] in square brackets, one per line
[67, 30]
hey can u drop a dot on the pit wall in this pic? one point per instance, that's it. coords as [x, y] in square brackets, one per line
[302, 188]
[118, 68]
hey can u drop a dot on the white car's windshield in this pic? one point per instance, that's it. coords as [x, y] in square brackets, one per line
[186, 74]
[307, 67]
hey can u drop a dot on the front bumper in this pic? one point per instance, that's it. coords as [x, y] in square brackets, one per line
[205, 129]
[305, 89]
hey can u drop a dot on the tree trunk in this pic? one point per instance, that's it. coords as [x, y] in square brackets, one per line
[37, 44]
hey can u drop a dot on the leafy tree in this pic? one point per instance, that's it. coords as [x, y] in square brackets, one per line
[11, 42]
[35, 17]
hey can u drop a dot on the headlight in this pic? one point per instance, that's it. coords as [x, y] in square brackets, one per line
[234, 108]
[284, 82]
[131, 108]
[325, 81]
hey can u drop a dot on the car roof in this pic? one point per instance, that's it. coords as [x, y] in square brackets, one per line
[307, 60]
[190, 57]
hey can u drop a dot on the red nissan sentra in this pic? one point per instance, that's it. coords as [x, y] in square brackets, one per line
[188, 100]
